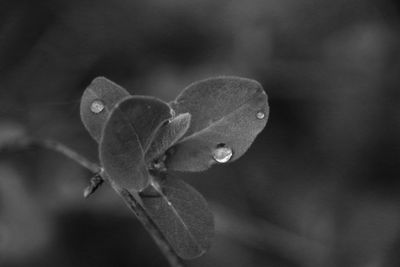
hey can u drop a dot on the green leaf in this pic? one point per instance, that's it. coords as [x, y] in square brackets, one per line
[102, 91]
[183, 216]
[227, 112]
[127, 134]
[168, 135]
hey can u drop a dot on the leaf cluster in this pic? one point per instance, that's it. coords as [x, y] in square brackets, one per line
[142, 138]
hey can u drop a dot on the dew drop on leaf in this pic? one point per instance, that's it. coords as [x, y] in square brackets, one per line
[222, 154]
[97, 106]
[260, 115]
[97, 101]
[224, 110]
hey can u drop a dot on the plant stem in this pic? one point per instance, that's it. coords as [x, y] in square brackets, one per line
[133, 201]
[25, 143]
[151, 227]
[71, 154]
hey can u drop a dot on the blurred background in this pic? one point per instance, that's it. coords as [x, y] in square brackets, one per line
[320, 185]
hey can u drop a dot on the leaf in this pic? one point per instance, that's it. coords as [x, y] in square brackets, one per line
[109, 93]
[128, 132]
[168, 135]
[226, 112]
[182, 215]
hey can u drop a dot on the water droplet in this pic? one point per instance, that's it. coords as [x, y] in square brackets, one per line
[97, 106]
[260, 115]
[222, 154]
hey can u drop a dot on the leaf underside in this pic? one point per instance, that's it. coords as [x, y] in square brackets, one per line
[224, 113]
[183, 216]
[106, 91]
[168, 135]
[129, 131]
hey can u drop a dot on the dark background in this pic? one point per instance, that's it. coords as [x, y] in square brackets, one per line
[319, 186]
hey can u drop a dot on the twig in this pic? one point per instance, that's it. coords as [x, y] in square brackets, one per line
[66, 151]
[132, 201]
[24, 143]
[151, 227]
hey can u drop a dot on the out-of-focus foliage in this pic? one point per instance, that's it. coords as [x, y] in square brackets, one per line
[319, 187]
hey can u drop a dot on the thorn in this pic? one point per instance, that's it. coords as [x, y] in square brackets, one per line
[95, 182]
[87, 192]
